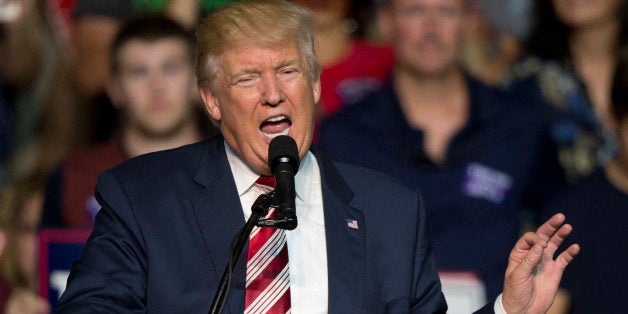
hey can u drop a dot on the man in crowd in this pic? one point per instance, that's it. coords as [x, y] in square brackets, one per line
[153, 89]
[474, 152]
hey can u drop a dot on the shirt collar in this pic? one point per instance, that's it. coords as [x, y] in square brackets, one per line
[306, 177]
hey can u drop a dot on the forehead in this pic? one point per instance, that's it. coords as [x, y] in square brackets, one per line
[258, 57]
[139, 47]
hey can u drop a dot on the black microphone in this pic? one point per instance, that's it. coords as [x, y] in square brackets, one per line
[283, 159]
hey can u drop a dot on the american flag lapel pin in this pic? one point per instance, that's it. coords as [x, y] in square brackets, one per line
[353, 224]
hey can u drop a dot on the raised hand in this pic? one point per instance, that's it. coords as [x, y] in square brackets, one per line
[533, 275]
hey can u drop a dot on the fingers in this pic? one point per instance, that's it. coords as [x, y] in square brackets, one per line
[567, 255]
[547, 239]
[548, 229]
[533, 258]
[552, 234]
[521, 249]
[554, 231]
[557, 239]
[522, 263]
[560, 235]
[527, 241]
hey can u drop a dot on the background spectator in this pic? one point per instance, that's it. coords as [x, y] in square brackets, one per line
[494, 37]
[352, 65]
[595, 206]
[95, 23]
[472, 150]
[44, 112]
[20, 213]
[572, 51]
[153, 88]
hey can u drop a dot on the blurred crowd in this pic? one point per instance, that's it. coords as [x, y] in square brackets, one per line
[502, 112]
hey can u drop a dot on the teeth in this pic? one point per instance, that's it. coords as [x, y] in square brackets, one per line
[277, 118]
[273, 135]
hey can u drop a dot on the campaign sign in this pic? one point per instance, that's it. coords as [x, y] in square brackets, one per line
[58, 249]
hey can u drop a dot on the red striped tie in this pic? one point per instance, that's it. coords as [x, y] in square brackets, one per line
[267, 273]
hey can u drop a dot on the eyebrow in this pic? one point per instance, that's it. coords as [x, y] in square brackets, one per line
[286, 63]
[245, 71]
[282, 64]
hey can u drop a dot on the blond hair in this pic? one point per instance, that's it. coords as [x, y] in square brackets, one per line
[264, 22]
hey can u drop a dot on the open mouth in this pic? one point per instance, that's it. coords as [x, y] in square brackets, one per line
[275, 126]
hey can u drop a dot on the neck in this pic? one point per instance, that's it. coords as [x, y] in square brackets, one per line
[617, 174]
[439, 107]
[136, 142]
[442, 92]
[595, 43]
[594, 56]
[333, 44]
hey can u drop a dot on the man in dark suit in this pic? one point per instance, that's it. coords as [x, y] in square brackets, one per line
[162, 237]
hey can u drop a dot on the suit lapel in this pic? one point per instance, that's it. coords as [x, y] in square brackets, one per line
[219, 214]
[346, 251]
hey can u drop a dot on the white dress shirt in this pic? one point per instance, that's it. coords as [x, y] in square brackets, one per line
[307, 250]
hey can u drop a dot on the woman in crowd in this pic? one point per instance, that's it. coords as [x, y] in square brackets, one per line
[571, 55]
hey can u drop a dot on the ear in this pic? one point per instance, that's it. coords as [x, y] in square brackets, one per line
[316, 88]
[211, 103]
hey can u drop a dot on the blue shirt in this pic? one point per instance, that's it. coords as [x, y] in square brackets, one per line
[475, 198]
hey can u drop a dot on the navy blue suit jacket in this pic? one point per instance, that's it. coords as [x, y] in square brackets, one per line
[161, 240]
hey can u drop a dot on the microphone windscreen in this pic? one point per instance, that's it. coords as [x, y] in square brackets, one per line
[283, 146]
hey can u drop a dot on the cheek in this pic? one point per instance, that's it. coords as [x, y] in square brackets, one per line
[304, 92]
[608, 8]
[311, 101]
[408, 30]
[182, 92]
[135, 92]
[242, 104]
[186, 81]
[452, 31]
[559, 6]
[235, 112]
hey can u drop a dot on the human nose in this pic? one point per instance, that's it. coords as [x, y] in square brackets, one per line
[156, 81]
[431, 21]
[271, 90]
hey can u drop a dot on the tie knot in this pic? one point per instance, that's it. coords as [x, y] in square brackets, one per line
[267, 181]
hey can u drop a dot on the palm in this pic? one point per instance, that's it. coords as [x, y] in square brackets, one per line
[533, 275]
